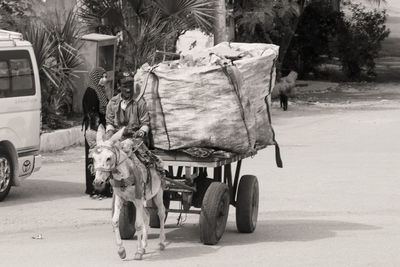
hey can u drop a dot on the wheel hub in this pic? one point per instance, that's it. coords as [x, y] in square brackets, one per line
[5, 174]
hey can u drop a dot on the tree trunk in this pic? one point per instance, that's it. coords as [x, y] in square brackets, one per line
[220, 33]
[230, 22]
[335, 5]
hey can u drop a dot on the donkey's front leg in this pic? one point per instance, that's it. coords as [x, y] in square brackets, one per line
[158, 200]
[141, 231]
[115, 223]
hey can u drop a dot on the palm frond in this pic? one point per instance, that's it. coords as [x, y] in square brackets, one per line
[195, 13]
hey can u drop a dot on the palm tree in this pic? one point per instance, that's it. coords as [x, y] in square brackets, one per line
[56, 49]
[147, 25]
[220, 33]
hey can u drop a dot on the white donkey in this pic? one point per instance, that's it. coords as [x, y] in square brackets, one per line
[129, 177]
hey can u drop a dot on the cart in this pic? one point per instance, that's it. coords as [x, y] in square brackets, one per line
[189, 183]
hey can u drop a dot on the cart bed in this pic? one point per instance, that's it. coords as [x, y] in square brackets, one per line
[177, 158]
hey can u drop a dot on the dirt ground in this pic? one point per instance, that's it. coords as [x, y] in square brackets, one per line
[335, 202]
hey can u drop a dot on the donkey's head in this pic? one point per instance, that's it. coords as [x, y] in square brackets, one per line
[106, 157]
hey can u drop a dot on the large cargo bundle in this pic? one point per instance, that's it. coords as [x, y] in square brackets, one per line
[217, 99]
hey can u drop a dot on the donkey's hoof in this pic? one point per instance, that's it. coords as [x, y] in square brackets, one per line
[162, 246]
[122, 252]
[138, 256]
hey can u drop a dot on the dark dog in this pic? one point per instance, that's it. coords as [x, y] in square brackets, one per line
[283, 98]
[285, 87]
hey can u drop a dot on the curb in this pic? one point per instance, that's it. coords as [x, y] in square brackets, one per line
[60, 139]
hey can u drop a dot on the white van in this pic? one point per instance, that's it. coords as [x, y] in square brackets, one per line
[20, 105]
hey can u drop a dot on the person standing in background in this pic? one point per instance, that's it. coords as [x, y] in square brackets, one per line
[94, 104]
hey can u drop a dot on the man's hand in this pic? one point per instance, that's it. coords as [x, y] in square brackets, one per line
[128, 132]
[139, 134]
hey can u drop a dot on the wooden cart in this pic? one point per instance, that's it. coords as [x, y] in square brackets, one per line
[210, 196]
[188, 182]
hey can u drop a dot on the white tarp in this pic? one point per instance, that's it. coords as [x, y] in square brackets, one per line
[199, 101]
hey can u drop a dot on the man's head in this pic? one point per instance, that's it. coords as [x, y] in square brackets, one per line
[126, 86]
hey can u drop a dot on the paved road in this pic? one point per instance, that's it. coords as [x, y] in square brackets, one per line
[335, 203]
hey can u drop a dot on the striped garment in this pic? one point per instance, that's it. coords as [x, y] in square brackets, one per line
[94, 77]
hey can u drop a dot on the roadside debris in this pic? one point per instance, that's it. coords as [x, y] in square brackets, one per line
[38, 236]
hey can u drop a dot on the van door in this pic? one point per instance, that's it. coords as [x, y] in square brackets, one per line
[20, 100]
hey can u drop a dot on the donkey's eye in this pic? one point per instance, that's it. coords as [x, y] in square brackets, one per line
[109, 159]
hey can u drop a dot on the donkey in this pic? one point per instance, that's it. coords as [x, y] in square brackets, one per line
[116, 161]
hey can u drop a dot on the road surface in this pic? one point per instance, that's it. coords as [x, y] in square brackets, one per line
[335, 202]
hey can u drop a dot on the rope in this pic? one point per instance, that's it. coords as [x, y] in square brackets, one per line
[236, 90]
[278, 158]
[162, 111]
[159, 100]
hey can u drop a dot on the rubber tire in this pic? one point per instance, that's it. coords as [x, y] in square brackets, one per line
[4, 194]
[154, 220]
[127, 219]
[214, 213]
[247, 204]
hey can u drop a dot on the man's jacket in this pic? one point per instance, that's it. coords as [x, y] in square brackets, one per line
[134, 117]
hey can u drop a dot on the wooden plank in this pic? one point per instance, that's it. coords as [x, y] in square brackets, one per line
[184, 211]
[173, 158]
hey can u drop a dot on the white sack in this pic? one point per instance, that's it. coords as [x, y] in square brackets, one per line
[194, 104]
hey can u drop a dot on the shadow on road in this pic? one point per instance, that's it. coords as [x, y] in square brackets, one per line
[292, 231]
[269, 231]
[42, 190]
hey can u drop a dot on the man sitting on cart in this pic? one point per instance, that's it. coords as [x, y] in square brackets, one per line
[124, 110]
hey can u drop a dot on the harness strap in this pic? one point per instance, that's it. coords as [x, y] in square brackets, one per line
[121, 183]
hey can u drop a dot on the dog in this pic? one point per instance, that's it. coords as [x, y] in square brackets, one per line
[284, 88]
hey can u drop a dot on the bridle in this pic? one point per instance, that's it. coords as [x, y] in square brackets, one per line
[117, 155]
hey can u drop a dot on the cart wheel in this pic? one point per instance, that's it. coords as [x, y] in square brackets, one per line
[153, 212]
[247, 204]
[214, 213]
[127, 219]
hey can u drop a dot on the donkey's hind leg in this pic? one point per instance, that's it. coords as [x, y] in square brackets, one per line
[115, 223]
[158, 200]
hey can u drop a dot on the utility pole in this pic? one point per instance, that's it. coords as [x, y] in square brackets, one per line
[220, 33]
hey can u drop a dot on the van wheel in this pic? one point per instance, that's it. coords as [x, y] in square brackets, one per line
[6, 172]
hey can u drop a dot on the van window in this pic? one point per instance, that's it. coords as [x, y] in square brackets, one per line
[16, 74]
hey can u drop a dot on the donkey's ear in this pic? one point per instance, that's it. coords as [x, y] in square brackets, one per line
[117, 136]
[100, 134]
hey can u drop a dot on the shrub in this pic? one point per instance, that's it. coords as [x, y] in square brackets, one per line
[267, 21]
[313, 39]
[14, 15]
[359, 40]
[55, 46]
